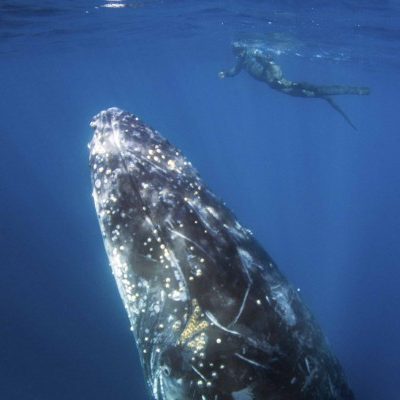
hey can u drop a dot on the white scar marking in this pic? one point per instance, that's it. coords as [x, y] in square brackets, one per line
[181, 278]
[199, 373]
[187, 239]
[246, 260]
[216, 323]
[155, 166]
[307, 365]
[241, 306]
[250, 361]
[309, 378]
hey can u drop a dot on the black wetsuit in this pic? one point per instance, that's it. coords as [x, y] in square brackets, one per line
[262, 67]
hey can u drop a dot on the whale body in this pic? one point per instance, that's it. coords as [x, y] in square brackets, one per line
[212, 316]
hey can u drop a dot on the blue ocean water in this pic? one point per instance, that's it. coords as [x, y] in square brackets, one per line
[322, 198]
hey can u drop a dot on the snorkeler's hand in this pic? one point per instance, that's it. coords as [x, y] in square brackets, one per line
[221, 75]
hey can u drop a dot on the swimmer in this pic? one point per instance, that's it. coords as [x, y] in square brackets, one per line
[262, 67]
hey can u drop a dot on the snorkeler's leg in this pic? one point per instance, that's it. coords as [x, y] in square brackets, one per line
[296, 89]
[339, 110]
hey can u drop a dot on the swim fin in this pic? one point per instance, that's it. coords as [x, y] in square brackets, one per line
[340, 111]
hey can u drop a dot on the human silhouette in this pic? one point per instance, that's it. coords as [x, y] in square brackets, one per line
[262, 67]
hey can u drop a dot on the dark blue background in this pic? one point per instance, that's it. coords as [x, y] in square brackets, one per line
[322, 198]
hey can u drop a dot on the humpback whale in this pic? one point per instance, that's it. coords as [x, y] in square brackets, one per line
[212, 316]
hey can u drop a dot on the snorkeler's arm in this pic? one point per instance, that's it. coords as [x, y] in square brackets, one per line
[232, 71]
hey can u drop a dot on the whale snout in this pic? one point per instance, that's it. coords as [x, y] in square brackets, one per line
[105, 118]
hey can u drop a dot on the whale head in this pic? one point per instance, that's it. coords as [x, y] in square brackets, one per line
[212, 316]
